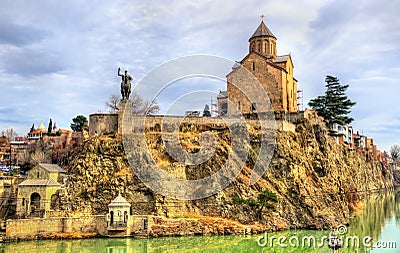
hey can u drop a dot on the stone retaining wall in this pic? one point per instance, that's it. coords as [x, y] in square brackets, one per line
[139, 226]
[31, 228]
[110, 123]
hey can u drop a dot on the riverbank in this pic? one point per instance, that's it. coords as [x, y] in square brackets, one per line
[377, 220]
[158, 227]
[189, 224]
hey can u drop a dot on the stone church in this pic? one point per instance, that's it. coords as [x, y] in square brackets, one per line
[274, 72]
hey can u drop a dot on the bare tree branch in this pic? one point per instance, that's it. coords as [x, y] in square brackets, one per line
[40, 156]
[140, 106]
[112, 103]
[10, 134]
[395, 152]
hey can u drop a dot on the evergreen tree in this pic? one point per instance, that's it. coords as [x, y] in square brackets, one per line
[395, 153]
[50, 127]
[334, 106]
[79, 123]
[206, 111]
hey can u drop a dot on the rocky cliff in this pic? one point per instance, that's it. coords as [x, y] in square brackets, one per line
[318, 183]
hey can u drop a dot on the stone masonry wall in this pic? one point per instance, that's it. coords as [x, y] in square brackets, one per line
[103, 123]
[31, 228]
[268, 77]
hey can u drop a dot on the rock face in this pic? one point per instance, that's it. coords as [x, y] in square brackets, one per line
[97, 173]
[318, 183]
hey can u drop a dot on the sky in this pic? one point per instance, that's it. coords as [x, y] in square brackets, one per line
[59, 59]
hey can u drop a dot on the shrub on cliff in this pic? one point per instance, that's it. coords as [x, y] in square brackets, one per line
[263, 201]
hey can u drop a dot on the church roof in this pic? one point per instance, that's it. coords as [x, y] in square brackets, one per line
[38, 131]
[119, 201]
[39, 182]
[262, 30]
[282, 58]
[51, 167]
[222, 94]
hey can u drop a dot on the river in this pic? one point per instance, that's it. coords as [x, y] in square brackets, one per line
[376, 228]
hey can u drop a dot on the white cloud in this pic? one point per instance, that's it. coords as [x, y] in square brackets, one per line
[64, 58]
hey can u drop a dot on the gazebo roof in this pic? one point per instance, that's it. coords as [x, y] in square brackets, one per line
[119, 201]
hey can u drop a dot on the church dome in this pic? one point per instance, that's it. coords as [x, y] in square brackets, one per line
[262, 31]
[41, 126]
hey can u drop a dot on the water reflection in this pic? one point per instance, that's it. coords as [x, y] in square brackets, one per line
[380, 220]
[381, 211]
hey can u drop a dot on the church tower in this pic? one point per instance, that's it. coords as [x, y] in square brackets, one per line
[263, 41]
[274, 72]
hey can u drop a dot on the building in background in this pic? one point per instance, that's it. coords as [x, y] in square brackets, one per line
[222, 100]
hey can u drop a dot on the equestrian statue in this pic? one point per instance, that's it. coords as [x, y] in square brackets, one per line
[125, 84]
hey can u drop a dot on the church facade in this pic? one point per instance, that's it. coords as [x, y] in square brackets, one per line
[275, 74]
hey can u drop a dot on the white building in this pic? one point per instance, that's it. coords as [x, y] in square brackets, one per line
[344, 134]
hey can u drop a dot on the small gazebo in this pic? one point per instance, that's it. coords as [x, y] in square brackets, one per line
[118, 213]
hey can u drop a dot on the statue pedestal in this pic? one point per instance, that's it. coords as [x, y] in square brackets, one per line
[121, 111]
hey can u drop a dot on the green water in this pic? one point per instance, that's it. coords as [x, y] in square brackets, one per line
[380, 220]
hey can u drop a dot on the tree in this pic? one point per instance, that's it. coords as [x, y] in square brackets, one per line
[50, 127]
[79, 123]
[40, 156]
[140, 106]
[395, 153]
[206, 111]
[334, 106]
[10, 134]
[112, 103]
[263, 201]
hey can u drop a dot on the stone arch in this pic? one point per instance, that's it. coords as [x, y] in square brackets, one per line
[125, 216]
[54, 202]
[224, 109]
[35, 201]
[157, 128]
[112, 218]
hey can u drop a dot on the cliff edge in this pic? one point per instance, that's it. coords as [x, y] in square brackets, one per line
[318, 183]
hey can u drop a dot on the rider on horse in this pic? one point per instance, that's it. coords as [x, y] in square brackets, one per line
[125, 84]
